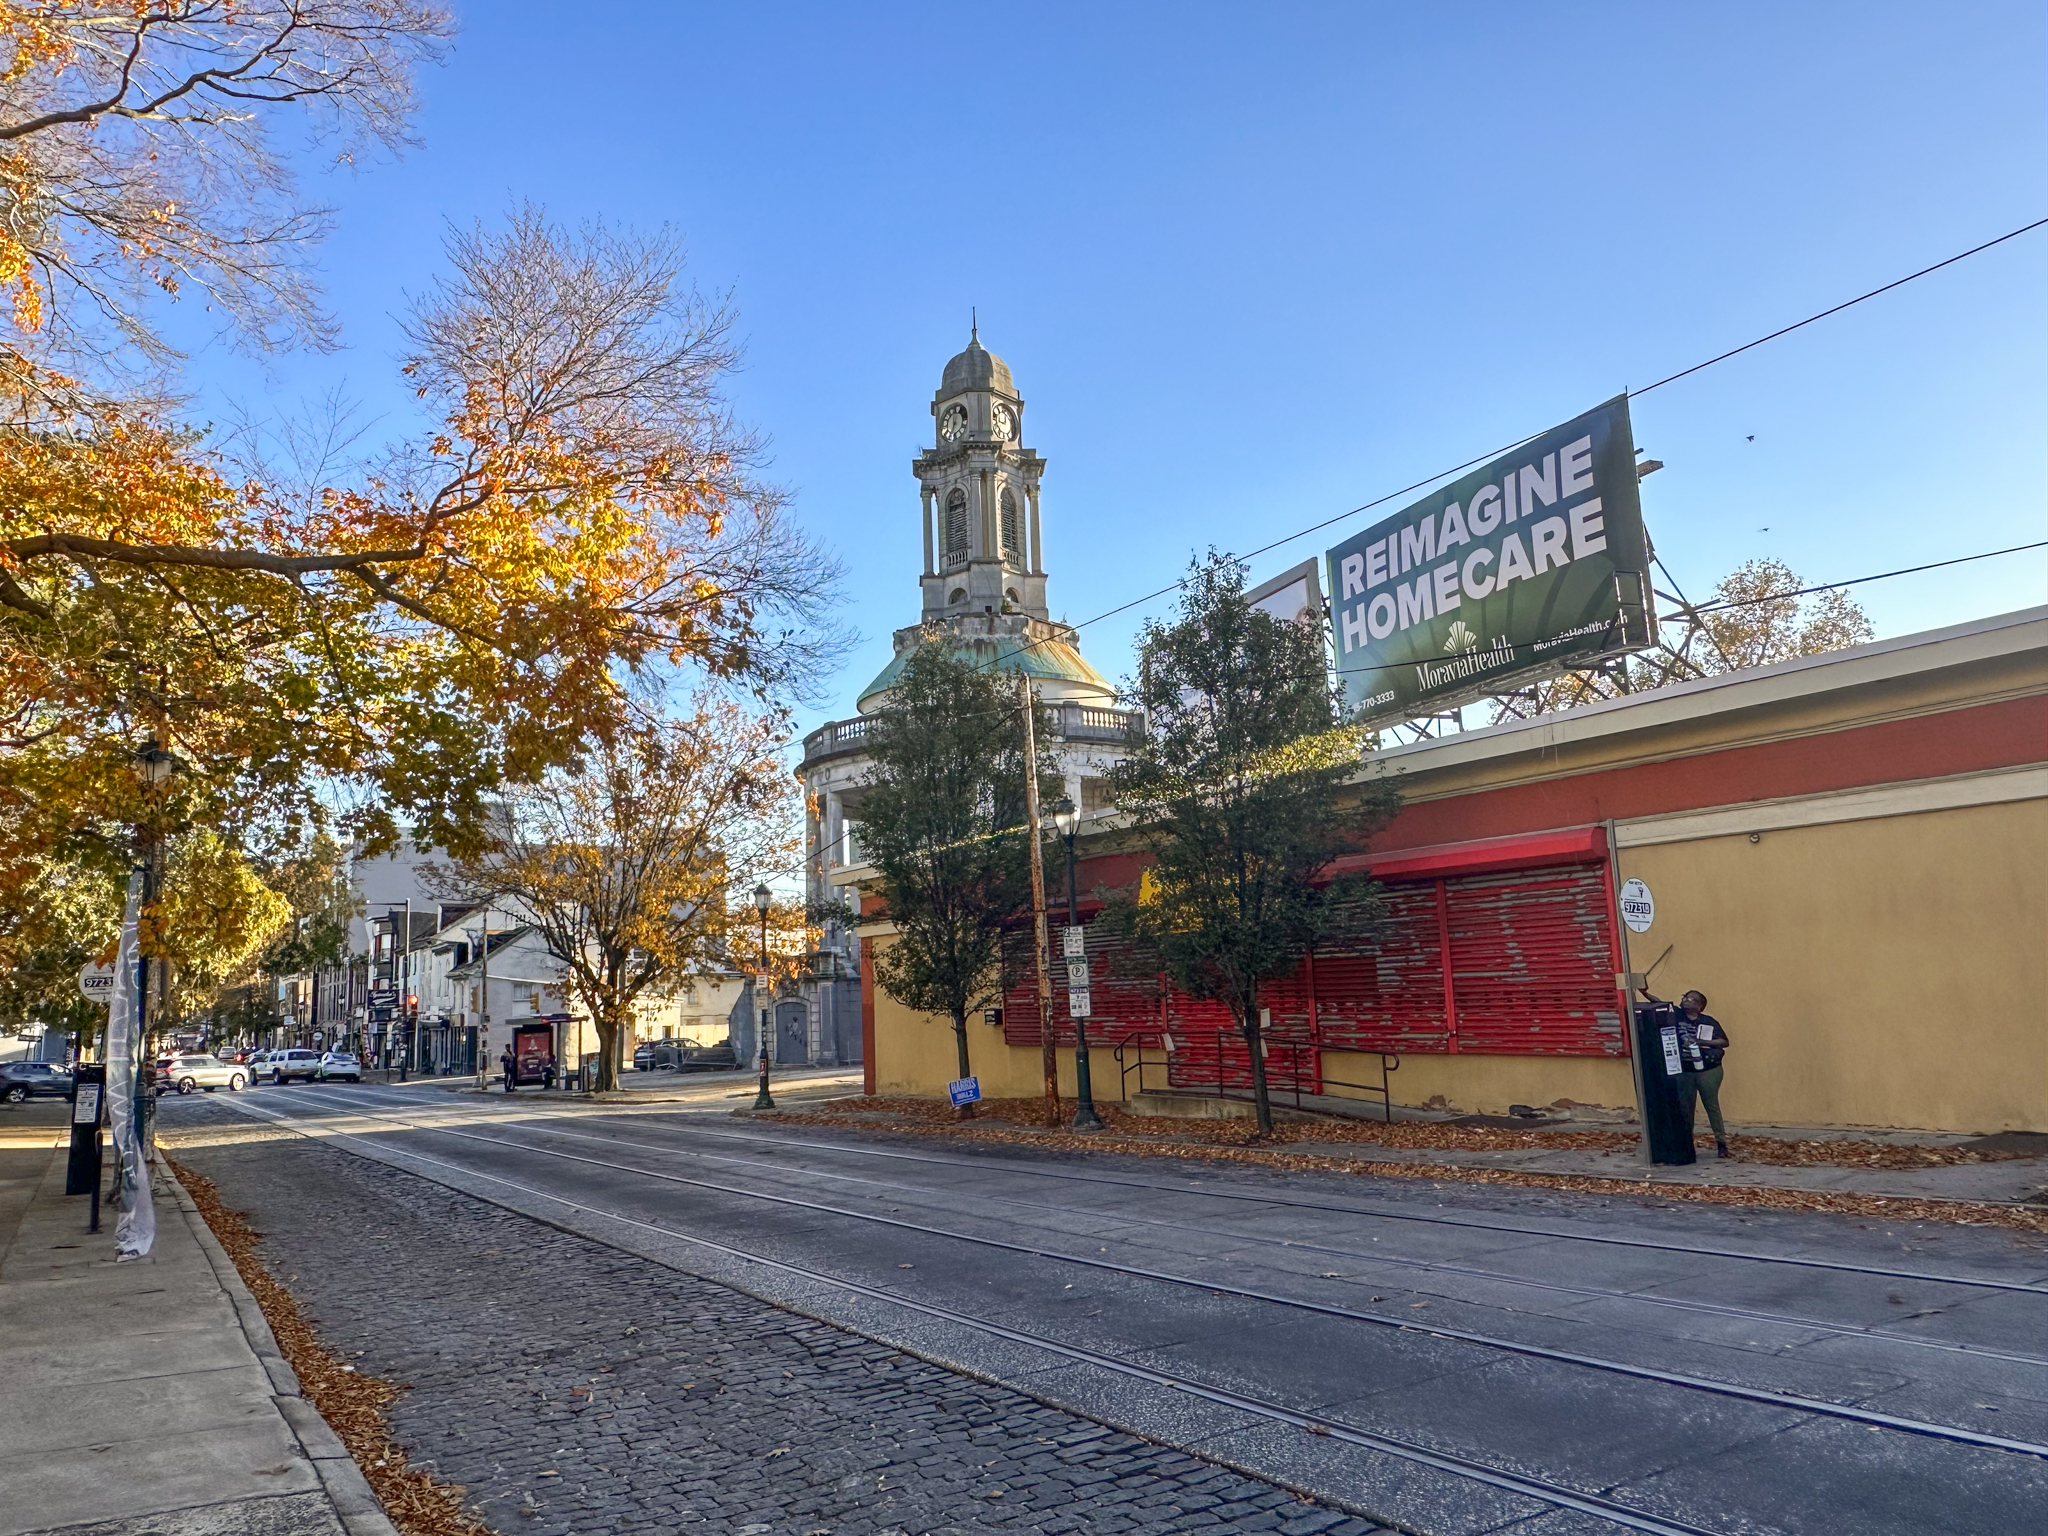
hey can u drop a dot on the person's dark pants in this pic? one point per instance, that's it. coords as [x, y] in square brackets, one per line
[1705, 1086]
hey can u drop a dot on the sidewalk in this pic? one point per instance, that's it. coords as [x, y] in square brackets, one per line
[1968, 1173]
[2012, 1181]
[149, 1398]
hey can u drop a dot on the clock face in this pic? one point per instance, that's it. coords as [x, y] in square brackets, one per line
[1005, 423]
[953, 424]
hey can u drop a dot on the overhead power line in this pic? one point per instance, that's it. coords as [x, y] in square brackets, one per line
[1857, 581]
[804, 865]
[1444, 474]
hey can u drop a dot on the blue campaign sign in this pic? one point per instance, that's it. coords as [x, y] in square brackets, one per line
[964, 1090]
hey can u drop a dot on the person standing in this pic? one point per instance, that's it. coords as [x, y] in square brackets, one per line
[511, 1066]
[1702, 1042]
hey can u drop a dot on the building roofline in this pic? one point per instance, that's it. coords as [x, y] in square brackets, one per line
[2001, 635]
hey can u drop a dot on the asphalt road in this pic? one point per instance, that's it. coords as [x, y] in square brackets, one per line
[1449, 1358]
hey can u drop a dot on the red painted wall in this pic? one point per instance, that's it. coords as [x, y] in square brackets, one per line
[2001, 735]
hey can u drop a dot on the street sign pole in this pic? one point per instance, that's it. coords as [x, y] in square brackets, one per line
[1079, 1003]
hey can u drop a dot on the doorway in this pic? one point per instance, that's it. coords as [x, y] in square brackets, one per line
[792, 1033]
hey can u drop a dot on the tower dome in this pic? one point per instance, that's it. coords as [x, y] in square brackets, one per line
[976, 368]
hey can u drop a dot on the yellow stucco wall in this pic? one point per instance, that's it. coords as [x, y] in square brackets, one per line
[1885, 972]
[1889, 972]
[1487, 1085]
[915, 1053]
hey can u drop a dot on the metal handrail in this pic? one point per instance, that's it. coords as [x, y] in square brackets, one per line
[1389, 1064]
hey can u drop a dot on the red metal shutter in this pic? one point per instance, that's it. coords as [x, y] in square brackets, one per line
[1123, 988]
[1383, 989]
[1020, 989]
[1531, 957]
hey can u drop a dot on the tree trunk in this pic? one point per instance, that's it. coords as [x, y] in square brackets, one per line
[1262, 1103]
[607, 1052]
[966, 1111]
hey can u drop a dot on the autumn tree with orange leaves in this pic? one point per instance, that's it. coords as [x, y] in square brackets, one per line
[636, 864]
[385, 643]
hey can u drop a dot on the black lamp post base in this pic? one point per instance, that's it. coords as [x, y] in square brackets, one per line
[1085, 1119]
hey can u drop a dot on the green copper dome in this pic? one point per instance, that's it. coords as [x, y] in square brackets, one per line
[1048, 661]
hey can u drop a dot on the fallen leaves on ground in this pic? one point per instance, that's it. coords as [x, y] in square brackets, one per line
[351, 1401]
[1427, 1135]
[1022, 1122]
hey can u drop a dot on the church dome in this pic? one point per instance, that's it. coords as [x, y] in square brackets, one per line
[976, 368]
[1056, 665]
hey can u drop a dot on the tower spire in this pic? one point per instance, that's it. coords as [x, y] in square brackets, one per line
[973, 324]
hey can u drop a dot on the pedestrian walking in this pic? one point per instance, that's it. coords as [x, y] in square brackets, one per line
[1702, 1042]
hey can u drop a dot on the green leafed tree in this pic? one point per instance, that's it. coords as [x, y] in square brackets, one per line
[1242, 791]
[941, 817]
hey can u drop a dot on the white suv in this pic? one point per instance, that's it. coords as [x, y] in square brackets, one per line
[283, 1066]
[182, 1074]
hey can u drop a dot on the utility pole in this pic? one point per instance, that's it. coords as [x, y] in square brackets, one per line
[1051, 1050]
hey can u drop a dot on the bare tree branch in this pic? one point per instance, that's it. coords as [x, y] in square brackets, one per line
[136, 155]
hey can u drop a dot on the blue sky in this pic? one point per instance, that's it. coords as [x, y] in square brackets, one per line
[1255, 265]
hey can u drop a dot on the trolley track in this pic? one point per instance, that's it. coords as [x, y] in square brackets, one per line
[1555, 1495]
[1347, 1208]
[1425, 1266]
[1711, 1385]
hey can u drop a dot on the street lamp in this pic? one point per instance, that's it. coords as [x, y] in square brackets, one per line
[480, 943]
[403, 999]
[762, 897]
[1066, 820]
[155, 765]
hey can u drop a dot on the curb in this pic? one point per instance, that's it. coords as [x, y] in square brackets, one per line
[340, 1478]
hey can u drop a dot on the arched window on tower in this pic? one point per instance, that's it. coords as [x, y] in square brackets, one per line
[1013, 529]
[956, 526]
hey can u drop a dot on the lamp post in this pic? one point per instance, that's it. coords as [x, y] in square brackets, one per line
[403, 1002]
[762, 897]
[157, 765]
[481, 938]
[1066, 820]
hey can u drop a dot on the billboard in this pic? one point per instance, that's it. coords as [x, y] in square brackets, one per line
[1294, 596]
[1529, 566]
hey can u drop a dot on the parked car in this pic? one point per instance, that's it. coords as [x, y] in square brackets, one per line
[34, 1080]
[339, 1067]
[283, 1066]
[643, 1056]
[238, 1054]
[708, 1058]
[182, 1074]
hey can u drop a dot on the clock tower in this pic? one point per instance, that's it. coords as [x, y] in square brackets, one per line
[979, 490]
[984, 601]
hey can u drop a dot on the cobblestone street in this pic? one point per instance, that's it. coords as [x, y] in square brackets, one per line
[571, 1388]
